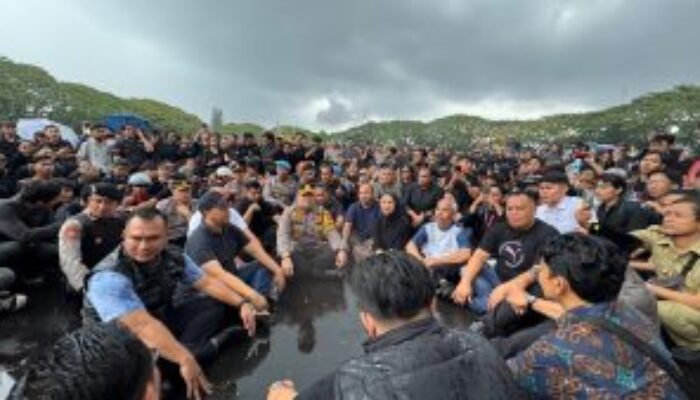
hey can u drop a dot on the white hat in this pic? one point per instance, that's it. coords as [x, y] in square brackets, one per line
[224, 172]
[140, 179]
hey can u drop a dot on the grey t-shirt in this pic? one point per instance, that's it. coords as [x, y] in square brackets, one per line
[204, 245]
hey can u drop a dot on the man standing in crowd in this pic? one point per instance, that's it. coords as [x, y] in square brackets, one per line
[87, 238]
[138, 286]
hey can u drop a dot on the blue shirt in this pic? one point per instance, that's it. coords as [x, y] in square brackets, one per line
[364, 220]
[436, 242]
[112, 294]
[581, 360]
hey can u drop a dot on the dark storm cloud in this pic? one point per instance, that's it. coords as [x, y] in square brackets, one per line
[331, 63]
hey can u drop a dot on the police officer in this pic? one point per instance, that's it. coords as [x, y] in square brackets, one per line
[88, 237]
[138, 285]
[309, 229]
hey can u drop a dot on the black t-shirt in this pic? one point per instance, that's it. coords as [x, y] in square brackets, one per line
[515, 250]
[420, 200]
[263, 219]
[204, 245]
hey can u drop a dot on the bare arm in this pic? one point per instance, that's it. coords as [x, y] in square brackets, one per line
[473, 267]
[214, 288]
[459, 257]
[642, 265]
[688, 299]
[156, 336]
[214, 270]
[413, 250]
[256, 250]
[347, 230]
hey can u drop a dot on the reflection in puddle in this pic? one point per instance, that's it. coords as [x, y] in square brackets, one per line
[315, 328]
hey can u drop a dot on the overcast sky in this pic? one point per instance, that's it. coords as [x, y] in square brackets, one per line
[330, 64]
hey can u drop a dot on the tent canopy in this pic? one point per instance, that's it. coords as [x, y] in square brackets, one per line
[116, 122]
[27, 127]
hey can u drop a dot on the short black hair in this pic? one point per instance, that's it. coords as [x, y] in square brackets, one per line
[617, 181]
[673, 176]
[103, 189]
[531, 194]
[391, 285]
[147, 214]
[41, 191]
[594, 267]
[252, 184]
[691, 197]
[97, 361]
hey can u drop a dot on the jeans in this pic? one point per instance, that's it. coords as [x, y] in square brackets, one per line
[255, 276]
[483, 285]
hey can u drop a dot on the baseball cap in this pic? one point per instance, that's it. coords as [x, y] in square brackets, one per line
[306, 190]
[283, 164]
[212, 199]
[140, 179]
[224, 172]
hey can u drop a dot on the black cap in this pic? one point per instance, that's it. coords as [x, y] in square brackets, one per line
[103, 189]
[555, 177]
[212, 199]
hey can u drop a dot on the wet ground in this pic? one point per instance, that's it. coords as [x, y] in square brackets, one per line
[315, 328]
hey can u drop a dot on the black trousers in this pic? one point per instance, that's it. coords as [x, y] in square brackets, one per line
[29, 259]
[196, 321]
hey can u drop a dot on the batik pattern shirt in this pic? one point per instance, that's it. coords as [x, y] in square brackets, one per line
[582, 361]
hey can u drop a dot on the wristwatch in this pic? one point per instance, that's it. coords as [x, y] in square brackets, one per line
[531, 300]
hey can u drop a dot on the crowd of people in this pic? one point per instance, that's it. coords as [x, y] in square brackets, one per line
[579, 264]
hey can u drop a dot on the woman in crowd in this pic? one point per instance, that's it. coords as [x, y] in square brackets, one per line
[394, 229]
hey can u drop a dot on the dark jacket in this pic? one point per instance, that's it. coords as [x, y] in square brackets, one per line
[25, 223]
[421, 360]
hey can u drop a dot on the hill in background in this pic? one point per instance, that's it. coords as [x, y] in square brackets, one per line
[26, 90]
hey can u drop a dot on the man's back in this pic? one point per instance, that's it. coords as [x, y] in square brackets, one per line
[421, 360]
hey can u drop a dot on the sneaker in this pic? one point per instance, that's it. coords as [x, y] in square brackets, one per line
[13, 303]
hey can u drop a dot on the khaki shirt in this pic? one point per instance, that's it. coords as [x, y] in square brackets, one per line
[315, 226]
[668, 261]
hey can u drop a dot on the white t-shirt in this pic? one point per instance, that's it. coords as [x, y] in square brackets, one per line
[562, 216]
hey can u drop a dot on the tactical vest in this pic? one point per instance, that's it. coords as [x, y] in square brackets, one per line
[154, 284]
[99, 237]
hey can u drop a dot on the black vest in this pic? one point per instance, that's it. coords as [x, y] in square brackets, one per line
[155, 284]
[99, 237]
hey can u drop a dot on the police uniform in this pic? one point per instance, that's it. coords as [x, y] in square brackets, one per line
[83, 242]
